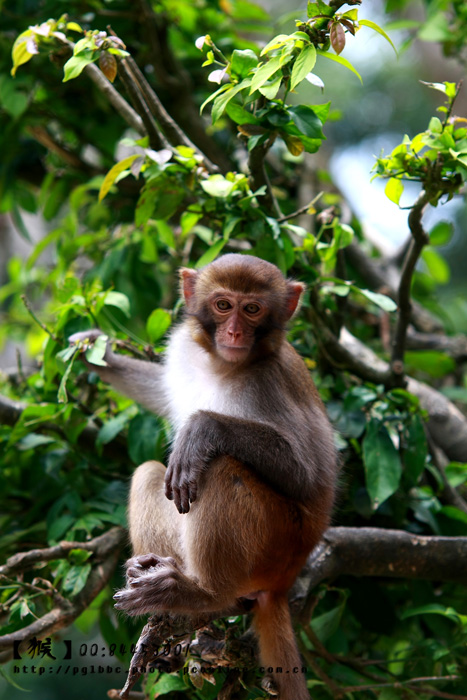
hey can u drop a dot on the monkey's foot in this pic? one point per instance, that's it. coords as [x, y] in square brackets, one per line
[151, 584]
[138, 566]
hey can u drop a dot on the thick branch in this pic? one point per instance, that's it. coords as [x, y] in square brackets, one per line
[419, 240]
[371, 551]
[453, 345]
[41, 135]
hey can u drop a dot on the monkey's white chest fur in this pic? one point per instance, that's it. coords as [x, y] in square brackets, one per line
[191, 385]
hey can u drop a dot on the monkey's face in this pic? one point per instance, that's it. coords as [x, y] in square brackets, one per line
[239, 306]
[236, 317]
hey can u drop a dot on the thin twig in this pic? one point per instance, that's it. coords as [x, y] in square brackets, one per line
[29, 309]
[259, 177]
[156, 140]
[171, 129]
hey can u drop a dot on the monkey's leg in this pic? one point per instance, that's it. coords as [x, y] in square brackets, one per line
[154, 522]
[234, 542]
[156, 574]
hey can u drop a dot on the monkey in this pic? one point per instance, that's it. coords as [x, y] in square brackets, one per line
[251, 477]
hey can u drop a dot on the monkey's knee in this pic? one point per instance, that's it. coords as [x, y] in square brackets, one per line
[147, 475]
[153, 520]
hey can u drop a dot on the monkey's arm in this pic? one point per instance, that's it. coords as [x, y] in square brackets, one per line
[292, 466]
[137, 379]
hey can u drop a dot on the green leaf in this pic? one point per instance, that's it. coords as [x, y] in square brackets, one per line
[157, 324]
[434, 609]
[74, 27]
[306, 121]
[243, 61]
[441, 233]
[221, 102]
[276, 43]
[437, 266]
[381, 300]
[62, 395]
[377, 28]
[341, 60]
[76, 578]
[394, 189]
[118, 300]
[436, 364]
[240, 115]
[143, 435]
[270, 90]
[76, 64]
[114, 426]
[95, 353]
[114, 172]
[20, 53]
[167, 684]
[382, 463]
[214, 95]
[303, 64]
[211, 254]
[264, 72]
[217, 186]
[327, 624]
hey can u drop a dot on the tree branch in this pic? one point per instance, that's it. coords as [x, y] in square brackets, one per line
[106, 549]
[171, 129]
[156, 140]
[176, 84]
[419, 240]
[259, 177]
[116, 100]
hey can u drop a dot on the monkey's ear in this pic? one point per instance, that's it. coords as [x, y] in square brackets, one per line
[294, 292]
[188, 281]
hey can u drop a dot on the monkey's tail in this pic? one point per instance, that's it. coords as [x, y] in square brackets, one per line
[277, 646]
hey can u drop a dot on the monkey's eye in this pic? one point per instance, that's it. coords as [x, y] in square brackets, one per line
[223, 305]
[252, 308]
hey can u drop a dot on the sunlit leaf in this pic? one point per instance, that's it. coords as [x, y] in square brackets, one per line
[342, 61]
[376, 28]
[303, 64]
[114, 173]
[394, 189]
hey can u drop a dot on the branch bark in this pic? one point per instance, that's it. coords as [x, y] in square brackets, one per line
[106, 550]
[419, 240]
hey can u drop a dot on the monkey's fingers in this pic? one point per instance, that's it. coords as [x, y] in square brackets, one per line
[91, 335]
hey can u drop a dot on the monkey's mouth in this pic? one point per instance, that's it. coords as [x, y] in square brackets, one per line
[233, 353]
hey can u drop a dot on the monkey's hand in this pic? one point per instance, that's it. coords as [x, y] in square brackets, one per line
[190, 457]
[94, 346]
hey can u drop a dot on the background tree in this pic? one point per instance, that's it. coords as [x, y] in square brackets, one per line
[133, 182]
